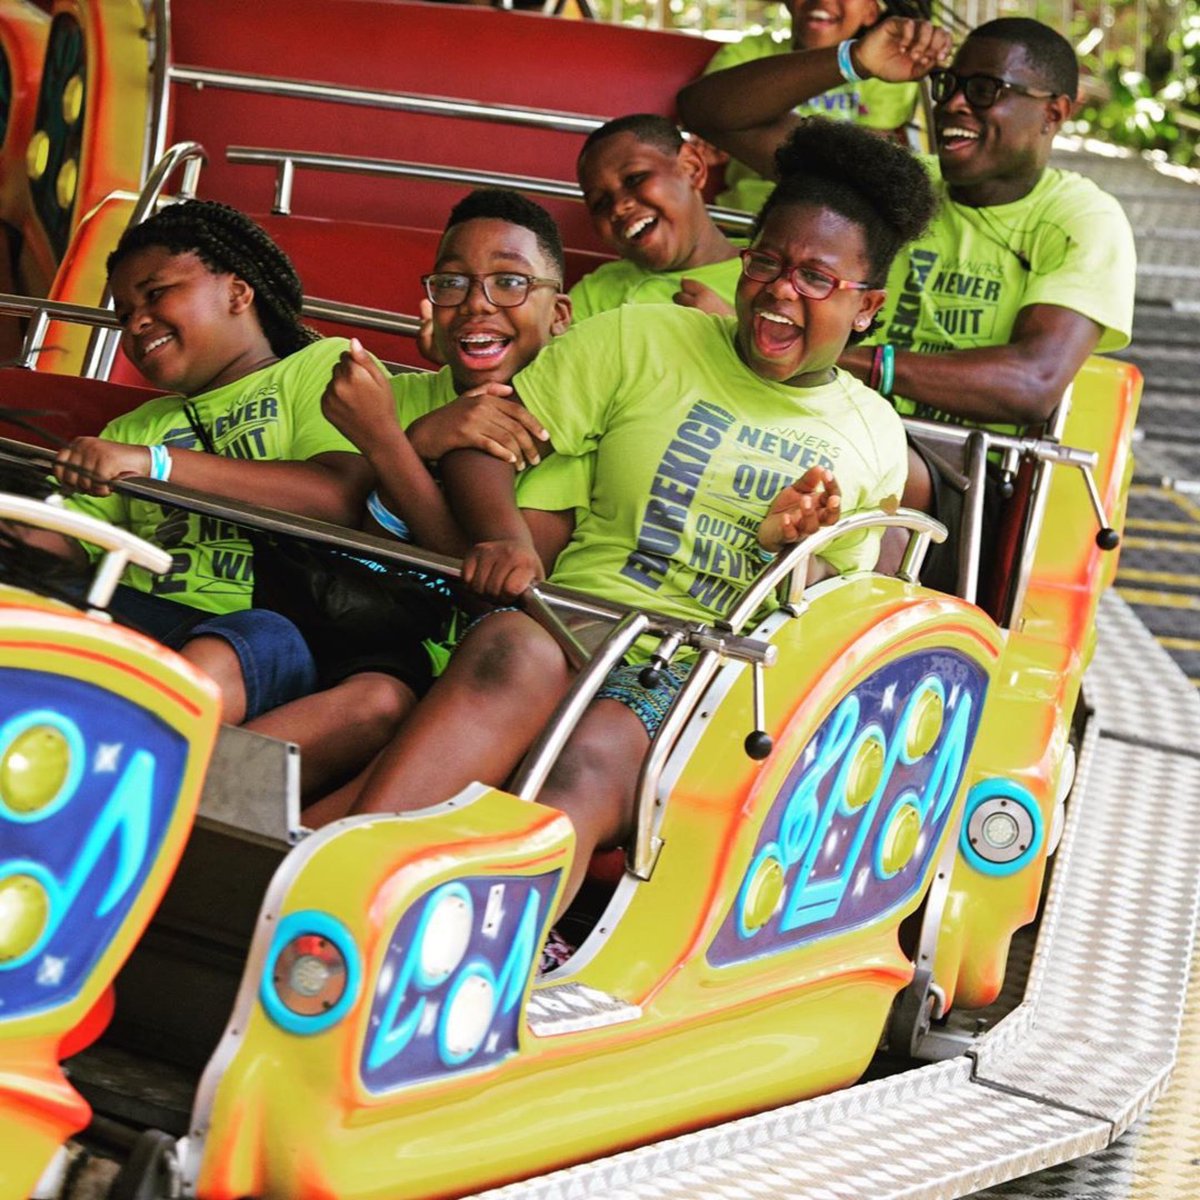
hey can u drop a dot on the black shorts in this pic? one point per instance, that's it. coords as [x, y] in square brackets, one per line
[355, 615]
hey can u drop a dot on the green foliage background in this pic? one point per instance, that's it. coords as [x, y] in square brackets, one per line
[1142, 61]
[1157, 107]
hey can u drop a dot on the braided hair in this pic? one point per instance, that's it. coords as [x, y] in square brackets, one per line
[228, 241]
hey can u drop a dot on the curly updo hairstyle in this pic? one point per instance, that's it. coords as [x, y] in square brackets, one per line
[877, 184]
[227, 240]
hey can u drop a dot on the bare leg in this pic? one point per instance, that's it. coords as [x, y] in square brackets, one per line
[478, 719]
[340, 729]
[217, 659]
[595, 781]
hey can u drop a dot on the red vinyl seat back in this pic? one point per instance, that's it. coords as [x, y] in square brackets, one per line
[61, 407]
[483, 54]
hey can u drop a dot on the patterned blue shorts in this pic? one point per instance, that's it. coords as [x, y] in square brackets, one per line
[649, 705]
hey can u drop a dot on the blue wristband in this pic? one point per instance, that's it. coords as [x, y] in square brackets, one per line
[160, 463]
[846, 63]
[887, 369]
[386, 519]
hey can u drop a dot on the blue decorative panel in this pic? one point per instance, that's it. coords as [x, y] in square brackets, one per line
[88, 784]
[448, 995]
[850, 834]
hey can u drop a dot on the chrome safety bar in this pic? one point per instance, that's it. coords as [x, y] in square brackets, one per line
[42, 313]
[285, 163]
[535, 767]
[360, 316]
[790, 569]
[119, 545]
[437, 106]
[1044, 451]
[789, 572]
[191, 156]
[269, 520]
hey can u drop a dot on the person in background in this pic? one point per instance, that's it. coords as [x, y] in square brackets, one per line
[850, 95]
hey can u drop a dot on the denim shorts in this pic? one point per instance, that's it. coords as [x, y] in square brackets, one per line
[649, 705]
[277, 665]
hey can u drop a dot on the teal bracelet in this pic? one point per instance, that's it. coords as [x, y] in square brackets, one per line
[846, 63]
[887, 369]
[160, 463]
[386, 519]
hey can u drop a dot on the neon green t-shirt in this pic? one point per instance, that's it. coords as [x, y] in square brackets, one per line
[872, 103]
[691, 449]
[962, 284]
[555, 484]
[623, 282]
[270, 415]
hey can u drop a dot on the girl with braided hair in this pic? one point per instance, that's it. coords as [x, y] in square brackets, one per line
[209, 309]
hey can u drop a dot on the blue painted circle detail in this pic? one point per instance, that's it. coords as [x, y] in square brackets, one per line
[1006, 789]
[13, 728]
[319, 924]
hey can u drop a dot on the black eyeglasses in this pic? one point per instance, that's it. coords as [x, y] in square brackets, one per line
[764, 267]
[980, 91]
[504, 289]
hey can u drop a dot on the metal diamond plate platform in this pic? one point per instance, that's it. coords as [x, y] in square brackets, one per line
[1036, 1106]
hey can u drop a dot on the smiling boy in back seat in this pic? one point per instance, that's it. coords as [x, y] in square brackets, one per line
[643, 185]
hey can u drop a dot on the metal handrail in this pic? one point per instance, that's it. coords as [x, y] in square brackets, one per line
[360, 315]
[438, 106]
[791, 567]
[286, 162]
[160, 96]
[387, 550]
[42, 313]
[102, 345]
[45, 311]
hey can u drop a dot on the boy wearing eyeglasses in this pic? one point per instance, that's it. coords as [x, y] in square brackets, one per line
[496, 297]
[1025, 270]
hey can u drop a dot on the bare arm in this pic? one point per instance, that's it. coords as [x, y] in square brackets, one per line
[329, 487]
[503, 560]
[1020, 383]
[748, 109]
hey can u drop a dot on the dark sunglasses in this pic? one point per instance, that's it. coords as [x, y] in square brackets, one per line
[980, 91]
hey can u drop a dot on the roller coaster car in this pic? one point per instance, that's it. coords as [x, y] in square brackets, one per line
[846, 815]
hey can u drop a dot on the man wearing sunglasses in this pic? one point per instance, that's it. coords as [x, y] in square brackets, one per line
[1025, 269]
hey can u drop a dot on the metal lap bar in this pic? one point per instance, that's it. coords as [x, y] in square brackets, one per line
[119, 545]
[42, 312]
[286, 162]
[543, 613]
[361, 316]
[191, 156]
[644, 851]
[528, 781]
[972, 518]
[791, 567]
